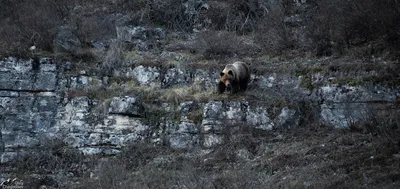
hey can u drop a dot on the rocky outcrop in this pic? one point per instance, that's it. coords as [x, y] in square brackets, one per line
[129, 106]
[345, 105]
[41, 99]
[35, 75]
[28, 103]
[80, 127]
[142, 38]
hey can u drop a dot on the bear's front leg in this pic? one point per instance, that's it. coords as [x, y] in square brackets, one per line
[220, 88]
[235, 89]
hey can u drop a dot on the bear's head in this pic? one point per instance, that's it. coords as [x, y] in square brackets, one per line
[227, 77]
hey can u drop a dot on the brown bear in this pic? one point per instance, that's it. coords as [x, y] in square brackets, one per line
[234, 78]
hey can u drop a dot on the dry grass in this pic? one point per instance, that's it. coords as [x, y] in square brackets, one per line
[313, 157]
[178, 95]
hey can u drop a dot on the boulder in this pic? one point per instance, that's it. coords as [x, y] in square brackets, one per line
[129, 106]
[142, 38]
[66, 41]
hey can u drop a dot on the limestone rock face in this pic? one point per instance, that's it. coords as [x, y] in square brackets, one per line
[28, 103]
[347, 105]
[39, 100]
[146, 76]
[129, 106]
[19, 75]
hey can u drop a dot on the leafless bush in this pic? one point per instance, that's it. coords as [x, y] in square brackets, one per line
[383, 122]
[26, 23]
[272, 35]
[146, 166]
[236, 15]
[222, 44]
[171, 14]
[51, 155]
[337, 25]
[113, 58]
[136, 155]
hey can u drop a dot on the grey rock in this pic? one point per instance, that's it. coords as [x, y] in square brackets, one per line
[8, 94]
[186, 125]
[187, 107]
[19, 139]
[99, 45]
[341, 115]
[212, 116]
[19, 75]
[75, 140]
[185, 133]
[145, 75]
[244, 154]
[8, 156]
[47, 67]
[175, 76]
[163, 160]
[45, 104]
[82, 81]
[66, 41]
[14, 123]
[31, 107]
[208, 80]
[347, 93]
[74, 116]
[182, 140]
[43, 122]
[288, 118]
[126, 106]
[91, 150]
[274, 80]
[233, 113]
[142, 38]
[211, 140]
[259, 118]
[16, 105]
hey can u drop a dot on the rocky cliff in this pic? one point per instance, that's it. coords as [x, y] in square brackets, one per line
[43, 99]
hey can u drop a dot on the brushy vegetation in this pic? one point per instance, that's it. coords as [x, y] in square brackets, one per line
[311, 156]
[316, 157]
[359, 28]
[38, 165]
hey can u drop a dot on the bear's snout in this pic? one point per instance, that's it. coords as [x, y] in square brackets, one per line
[228, 87]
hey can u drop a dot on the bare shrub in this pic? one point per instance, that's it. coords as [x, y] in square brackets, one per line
[222, 44]
[272, 35]
[113, 58]
[171, 13]
[50, 155]
[385, 123]
[138, 155]
[236, 15]
[337, 25]
[26, 23]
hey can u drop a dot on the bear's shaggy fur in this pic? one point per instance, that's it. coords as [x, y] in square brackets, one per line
[234, 78]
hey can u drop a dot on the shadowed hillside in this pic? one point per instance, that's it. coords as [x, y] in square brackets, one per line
[122, 94]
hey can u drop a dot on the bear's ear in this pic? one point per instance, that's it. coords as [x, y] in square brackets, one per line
[230, 72]
[221, 74]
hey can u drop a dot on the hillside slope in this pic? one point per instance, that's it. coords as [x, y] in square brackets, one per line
[121, 94]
